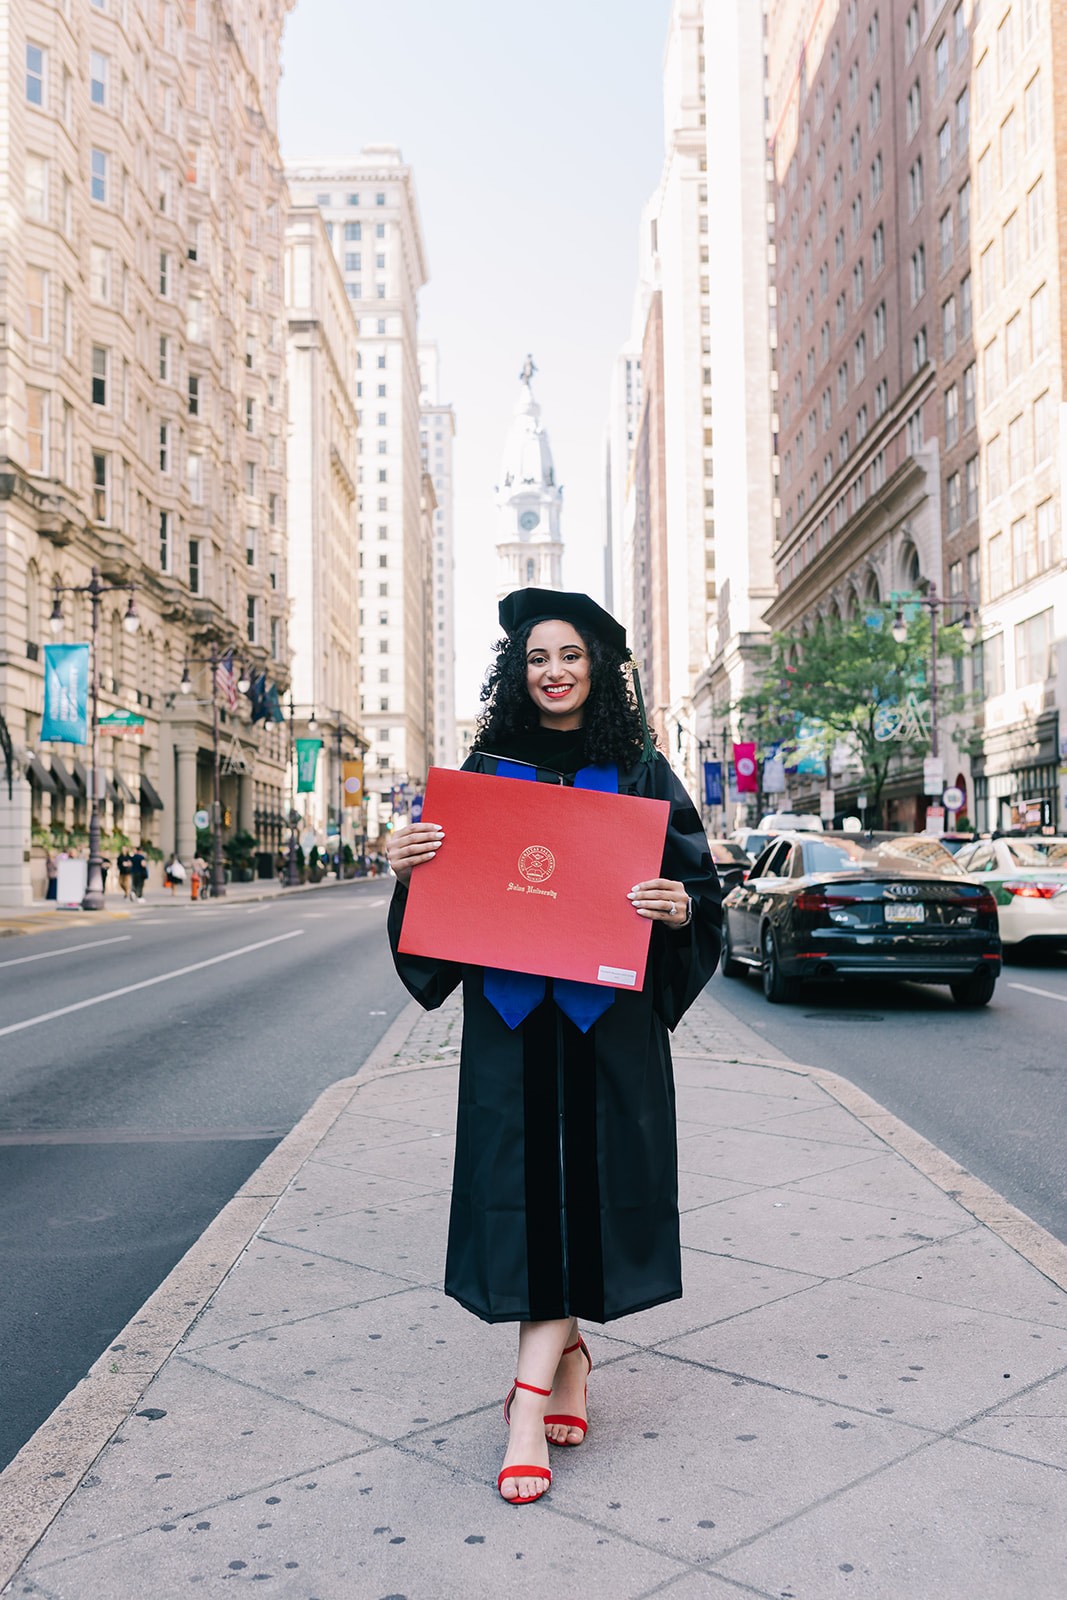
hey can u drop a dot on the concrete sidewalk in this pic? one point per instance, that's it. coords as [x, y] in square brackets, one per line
[42, 915]
[862, 1393]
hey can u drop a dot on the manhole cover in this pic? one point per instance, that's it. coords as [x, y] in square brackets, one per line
[843, 1016]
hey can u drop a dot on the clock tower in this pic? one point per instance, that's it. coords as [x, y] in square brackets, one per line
[529, 500]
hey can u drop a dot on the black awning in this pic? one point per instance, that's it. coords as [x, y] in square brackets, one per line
[68, 782]
[123, 792]
[150, 795]
[39, 777]
[81, 772]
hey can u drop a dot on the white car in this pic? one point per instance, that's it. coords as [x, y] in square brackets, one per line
[1028, 877]
[791, 822]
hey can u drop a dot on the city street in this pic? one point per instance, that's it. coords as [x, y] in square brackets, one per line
[988, 1087]
[125, 1125]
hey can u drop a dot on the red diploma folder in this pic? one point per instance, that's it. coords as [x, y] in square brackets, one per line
[533, 877]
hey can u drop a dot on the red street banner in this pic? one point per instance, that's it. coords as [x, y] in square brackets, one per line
[745, 767]
[533, 877]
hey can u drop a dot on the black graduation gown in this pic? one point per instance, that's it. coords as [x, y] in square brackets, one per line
[565, 1190]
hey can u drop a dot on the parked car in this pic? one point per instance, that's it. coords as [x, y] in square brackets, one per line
[1027, 876]
[955, 842]
[840, 906]
[791, 821]
[731, 862]
[752, 840]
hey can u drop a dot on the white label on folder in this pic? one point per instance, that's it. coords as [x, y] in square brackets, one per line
[617, 975]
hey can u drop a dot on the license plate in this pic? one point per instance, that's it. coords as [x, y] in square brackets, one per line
[905, 913]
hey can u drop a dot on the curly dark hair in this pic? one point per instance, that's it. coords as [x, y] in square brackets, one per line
[612, 722]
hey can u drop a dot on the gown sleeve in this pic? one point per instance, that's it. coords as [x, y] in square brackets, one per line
[427, 980]
[684, 959]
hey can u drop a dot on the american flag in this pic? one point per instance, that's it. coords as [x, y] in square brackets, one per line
[226, 680]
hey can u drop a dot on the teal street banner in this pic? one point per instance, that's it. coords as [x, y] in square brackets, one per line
[307, 760]
[66, 693]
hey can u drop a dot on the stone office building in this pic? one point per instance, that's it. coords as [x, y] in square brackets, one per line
[142, 403]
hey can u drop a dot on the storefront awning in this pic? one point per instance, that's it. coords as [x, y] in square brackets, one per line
[123, 792]
[150, 795]
[39, 777]
[68, 782]
[81, 773]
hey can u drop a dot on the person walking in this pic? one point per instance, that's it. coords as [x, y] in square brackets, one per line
[198, 877]
[51, 872]
[565, 1191]
[124, 863]
[138, 873]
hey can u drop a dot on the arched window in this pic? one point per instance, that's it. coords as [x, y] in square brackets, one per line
[910, 569]
[529, 572]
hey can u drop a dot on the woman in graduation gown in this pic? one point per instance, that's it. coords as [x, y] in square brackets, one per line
[565, 1191]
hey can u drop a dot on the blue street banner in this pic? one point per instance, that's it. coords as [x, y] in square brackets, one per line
[66, 693]
[416, 808]
[307, 760]
[713, 783]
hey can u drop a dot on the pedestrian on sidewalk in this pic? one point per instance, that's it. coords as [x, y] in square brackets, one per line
[51, 872]
[125, 866]
[138, 873]
[565, 1191]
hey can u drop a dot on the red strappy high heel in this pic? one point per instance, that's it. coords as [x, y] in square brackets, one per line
[574, 1422]
[522, 1472]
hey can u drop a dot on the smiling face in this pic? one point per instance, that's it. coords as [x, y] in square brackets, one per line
[557, 674]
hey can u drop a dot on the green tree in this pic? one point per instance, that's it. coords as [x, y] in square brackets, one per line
[851, 682]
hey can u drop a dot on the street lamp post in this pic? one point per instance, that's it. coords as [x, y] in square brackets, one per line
[93, 899]
[218, 873]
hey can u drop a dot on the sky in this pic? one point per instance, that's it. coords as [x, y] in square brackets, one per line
[534, 129]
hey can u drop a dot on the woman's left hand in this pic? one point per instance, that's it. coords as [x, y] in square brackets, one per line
[661, 900]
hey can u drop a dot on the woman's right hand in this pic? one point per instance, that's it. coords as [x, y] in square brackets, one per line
[410, 847]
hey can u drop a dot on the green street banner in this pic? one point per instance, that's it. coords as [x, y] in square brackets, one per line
[66, 693]
[307, 760]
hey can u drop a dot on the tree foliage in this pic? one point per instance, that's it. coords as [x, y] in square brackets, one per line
[846, 683]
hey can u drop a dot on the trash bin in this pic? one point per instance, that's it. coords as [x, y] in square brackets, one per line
[264, 864]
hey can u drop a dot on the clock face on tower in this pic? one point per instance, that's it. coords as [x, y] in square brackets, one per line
[528, 521]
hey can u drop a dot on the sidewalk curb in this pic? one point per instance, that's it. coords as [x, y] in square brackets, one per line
[39, 917]
[52, 1463]
[1025, 1236]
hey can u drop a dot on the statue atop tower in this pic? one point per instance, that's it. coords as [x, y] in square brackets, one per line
[529, 500]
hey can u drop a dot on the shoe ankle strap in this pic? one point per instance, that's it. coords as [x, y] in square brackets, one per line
[532, 1388]
[577, 1345]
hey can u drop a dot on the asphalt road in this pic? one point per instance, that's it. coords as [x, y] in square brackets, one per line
[988, 1086]
[126, 1123]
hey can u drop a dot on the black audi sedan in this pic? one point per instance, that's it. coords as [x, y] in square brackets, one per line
[837, 906]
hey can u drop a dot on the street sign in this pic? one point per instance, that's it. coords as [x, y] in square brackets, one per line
[861, 802]
[933, 774]
[201, 819]
[827, 805]
[416, 808]
[953, 798]
[121, 719]
[935, 820]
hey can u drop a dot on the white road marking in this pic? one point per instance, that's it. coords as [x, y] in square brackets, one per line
[67, 950]
[1049, 994]
[147, 983]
